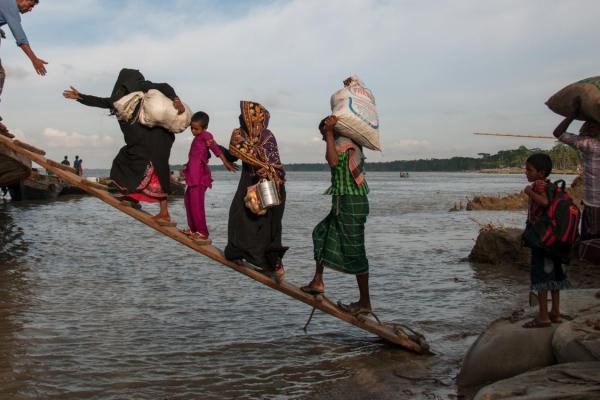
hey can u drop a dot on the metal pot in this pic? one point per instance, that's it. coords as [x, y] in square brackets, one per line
[268, 193]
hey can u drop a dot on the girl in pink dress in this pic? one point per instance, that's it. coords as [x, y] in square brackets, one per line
[197, 174]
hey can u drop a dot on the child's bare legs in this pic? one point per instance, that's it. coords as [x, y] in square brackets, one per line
[543, 316]
[555, 312]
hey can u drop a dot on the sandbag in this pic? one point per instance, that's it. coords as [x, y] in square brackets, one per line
[156, 109]
[589, 92]
[504, 350]
[354, 107]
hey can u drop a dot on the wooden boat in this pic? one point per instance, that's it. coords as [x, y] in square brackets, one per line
[395, 333]
[36, 187]
[404, 174]
[14, 167]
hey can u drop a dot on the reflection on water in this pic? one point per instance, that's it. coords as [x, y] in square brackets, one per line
[98, 306]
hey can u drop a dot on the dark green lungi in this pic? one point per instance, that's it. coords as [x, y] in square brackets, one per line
[339, 240]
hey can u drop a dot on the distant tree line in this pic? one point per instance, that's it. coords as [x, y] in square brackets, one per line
[563, 157]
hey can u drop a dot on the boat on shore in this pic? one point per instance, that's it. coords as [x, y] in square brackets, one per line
[14, 167]
[36, 187]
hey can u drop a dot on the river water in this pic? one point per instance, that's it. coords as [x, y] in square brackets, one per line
[94, 305]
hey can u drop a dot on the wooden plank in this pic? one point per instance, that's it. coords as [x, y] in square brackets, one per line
[7, 134]
[393, 333]
[514, 135]
[29, 147]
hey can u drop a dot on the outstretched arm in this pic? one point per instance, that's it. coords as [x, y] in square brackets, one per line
[326, 128]
[38, 63]
[92, 101]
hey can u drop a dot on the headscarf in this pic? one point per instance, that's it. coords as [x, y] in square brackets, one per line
[247, 141]
[128, 81]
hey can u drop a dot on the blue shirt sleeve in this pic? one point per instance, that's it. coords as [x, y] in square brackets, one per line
[10, 15]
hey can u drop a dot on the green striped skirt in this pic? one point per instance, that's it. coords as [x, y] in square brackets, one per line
[339, 240]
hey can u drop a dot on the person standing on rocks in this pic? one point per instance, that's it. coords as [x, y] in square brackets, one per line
[547, 271]
[588, 143]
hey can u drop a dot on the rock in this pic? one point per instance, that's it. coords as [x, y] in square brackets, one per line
[578, 302]
[504, 350]
[500, 246]
[517, 201]
[579, 381]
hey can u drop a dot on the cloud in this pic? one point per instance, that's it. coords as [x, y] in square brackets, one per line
[444, 69]
[54, 138]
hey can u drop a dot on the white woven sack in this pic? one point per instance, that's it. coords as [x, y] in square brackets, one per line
[125, 106]
[157, 110]
[354, 107]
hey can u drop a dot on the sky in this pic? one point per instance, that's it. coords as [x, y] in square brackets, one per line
[439, 69]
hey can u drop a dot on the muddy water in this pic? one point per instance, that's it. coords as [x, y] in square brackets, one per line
[94, 305]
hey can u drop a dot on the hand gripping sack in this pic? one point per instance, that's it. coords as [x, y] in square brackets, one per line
[354, 107]
[588, 90]
[157, 110]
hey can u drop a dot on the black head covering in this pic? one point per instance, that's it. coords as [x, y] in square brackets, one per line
[129, 80]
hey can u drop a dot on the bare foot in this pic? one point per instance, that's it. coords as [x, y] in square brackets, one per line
[314, 288]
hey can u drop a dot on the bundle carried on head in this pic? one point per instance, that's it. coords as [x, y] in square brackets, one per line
[155, 109]
[588, 90]
[354, 107]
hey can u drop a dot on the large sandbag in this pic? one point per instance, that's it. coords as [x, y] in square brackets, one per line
[504, 350]
[157, 110]
[354, 107]
[589, 92]
[576, 381]
[578, 340]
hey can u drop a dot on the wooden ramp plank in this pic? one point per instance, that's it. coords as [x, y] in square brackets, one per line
[393, 333]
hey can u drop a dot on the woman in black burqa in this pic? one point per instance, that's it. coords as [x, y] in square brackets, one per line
[141, 169]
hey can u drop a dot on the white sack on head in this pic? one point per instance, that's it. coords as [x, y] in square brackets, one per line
[126, 105]
[354, 107]
[157, 110]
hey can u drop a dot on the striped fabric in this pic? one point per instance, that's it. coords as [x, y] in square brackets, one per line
[339, 240]
[342, 181]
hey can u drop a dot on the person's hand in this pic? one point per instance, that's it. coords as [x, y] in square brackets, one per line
[326, 126]
[236, 137]
[528, 190]
[230, 166]
[178, 105]
[72, 94]
[39, 66]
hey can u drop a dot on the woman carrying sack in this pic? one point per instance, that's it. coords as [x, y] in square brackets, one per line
[141, 169]
[254, 233]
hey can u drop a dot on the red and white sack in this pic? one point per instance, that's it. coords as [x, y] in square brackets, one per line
[156, 110]
[588, 90]
[354, 107]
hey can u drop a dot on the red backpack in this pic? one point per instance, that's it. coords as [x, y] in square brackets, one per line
[558, 228]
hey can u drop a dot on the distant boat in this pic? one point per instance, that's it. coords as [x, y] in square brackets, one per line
[36, 187]
[403, 174]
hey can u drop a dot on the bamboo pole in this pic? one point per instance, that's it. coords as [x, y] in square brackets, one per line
[394, 333]
[514, 135]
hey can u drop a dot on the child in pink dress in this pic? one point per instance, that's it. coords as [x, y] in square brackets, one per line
[197, 174]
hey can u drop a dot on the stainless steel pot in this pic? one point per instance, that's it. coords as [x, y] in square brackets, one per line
[268, 193]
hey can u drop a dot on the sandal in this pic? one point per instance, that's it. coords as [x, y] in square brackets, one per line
[164, 222]
[353, 308]
[312, 290]
[536, 323]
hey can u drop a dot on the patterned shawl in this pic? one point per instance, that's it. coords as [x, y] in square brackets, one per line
[253, 143]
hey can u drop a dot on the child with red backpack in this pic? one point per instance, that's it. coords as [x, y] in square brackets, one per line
[550, 231]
